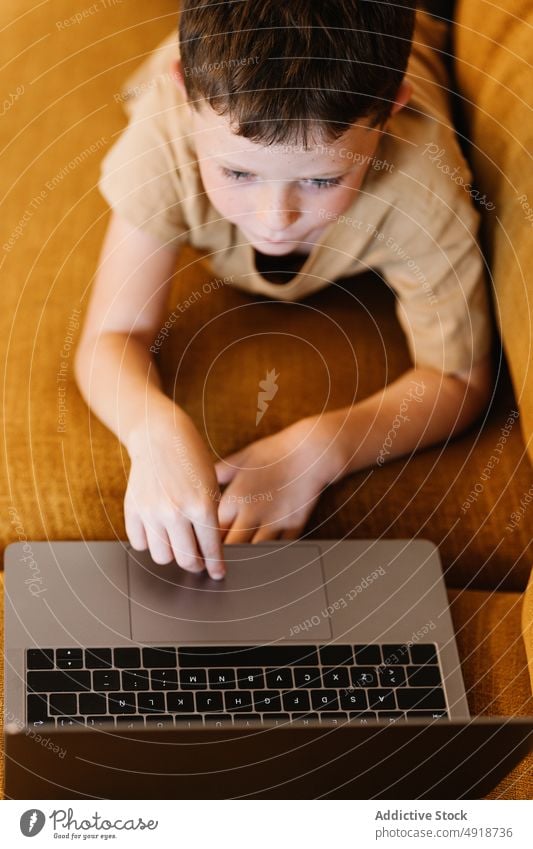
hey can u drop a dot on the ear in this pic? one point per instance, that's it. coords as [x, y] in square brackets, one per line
[403, 96]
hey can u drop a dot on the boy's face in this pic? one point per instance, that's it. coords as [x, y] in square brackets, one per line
[280, 196]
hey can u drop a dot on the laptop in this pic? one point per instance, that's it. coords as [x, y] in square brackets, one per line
[125, 678]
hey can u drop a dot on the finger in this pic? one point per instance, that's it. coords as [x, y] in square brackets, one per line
[227, 512]
[209, 538]
[135, 531]
[291, 533]
[158, 543]
[225, 471]
[184, 547]
[242, 530]
[266, 532]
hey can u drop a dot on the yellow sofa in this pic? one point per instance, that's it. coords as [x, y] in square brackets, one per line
[64, 474]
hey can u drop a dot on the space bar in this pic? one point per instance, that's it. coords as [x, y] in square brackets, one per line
[194, 656]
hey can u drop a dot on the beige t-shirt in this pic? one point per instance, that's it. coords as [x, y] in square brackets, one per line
[413, 219]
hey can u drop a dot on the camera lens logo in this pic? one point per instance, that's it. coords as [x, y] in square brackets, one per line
[32, 822]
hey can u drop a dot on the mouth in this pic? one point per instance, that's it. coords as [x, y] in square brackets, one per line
[273, 241]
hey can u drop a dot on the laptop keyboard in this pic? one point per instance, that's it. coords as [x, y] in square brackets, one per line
[237, 686]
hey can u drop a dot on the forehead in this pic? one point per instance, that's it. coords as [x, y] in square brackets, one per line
[215, 139]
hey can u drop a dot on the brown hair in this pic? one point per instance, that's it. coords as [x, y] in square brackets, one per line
[283, 69]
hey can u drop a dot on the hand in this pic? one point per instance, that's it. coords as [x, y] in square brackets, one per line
[172, 495]
[274, 483]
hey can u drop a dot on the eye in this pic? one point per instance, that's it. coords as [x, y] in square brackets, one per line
[236, 175]
[325, 183]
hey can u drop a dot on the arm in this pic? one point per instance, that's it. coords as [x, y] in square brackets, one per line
[114, 369]
[119, 380]
[422, 408]
[288, 470]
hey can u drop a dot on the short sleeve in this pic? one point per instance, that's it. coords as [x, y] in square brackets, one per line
[140, 177]
[436, 270]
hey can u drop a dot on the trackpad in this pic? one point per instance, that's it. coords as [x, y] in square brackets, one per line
[268, 591]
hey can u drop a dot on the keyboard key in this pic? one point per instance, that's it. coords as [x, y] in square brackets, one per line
[239, 700]
[395, 654]
[106, 680]
[164, 679]
[100, 721]
[180, 702]
[129, 658]
[221, 679]
[296, 700]
[129, 722]
[426, 714]
[305, 719]
[135, 679]
[391, 715]
[354, 700]
[367, 655]
[69, 721]
[336, 655]
[37, 724]
[424, 676]
[191, 720]
[162, 720]
[324, 700]
[98, 658]
[246, 720]
[92, 703]
[69, 658]
[276, 719]
[151, 702]
[36, 709]
[218, 720]
[207, 702]
[381, 700]
[336, 676]
[423, 653]
[250, 679]
[159, 658]
[273, 655]
[122, 703]
[307, 676]
[421, 698]
[333, 718]
[363, 676]
[63, 703]
[267, 700]
[193, 679]
[40, 659]
[362, 718]
[279, 678]
[392, 676]
[59, 681]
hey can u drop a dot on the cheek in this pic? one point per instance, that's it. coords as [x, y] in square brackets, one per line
[221, 195]
[335, 201]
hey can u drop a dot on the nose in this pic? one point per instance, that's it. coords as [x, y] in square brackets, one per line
[276, 210]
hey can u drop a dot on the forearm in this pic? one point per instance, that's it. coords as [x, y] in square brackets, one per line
[119, 381]
[421, 408]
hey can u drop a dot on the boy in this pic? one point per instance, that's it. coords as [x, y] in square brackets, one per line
[288, 140]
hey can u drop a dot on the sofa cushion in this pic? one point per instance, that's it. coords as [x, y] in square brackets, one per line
[493, 52]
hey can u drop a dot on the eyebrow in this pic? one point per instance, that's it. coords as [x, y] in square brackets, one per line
[232, 167]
